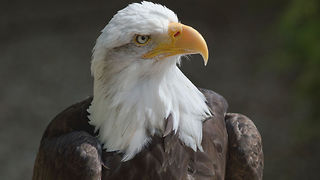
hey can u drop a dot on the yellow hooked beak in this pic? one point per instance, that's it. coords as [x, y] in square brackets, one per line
[181, 39]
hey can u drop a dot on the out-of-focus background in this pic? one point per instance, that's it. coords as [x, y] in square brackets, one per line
[264, 59]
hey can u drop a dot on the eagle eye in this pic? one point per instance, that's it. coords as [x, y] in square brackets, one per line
[141, 39]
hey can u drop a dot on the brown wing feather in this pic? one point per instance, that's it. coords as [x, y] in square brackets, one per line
[245, 157]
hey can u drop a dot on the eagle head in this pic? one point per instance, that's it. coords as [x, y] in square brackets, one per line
[137, 83]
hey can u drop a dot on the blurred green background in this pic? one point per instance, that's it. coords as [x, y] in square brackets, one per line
[264, 59]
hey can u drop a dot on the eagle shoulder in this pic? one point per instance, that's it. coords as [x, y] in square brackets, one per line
[68, 149]
[215, 137]
[245, 155]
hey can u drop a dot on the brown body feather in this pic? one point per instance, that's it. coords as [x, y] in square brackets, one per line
[70, 150]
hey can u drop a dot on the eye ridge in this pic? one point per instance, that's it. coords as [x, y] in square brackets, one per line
[141, 39]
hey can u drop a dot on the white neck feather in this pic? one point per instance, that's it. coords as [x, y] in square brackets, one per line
[131, 103]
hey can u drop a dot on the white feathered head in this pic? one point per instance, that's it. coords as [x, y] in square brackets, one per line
[147, 32]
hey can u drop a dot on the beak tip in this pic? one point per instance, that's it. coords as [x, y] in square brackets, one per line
[205, 59]
[205, 63]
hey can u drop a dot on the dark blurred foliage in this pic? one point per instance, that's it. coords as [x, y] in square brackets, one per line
[298, 58]
[300, 31]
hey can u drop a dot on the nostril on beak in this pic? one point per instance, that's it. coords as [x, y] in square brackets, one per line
[176, 34]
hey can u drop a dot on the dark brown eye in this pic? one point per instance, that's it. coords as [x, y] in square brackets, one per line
[142, 39]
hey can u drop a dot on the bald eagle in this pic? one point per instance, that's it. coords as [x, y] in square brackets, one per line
[146, 120]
